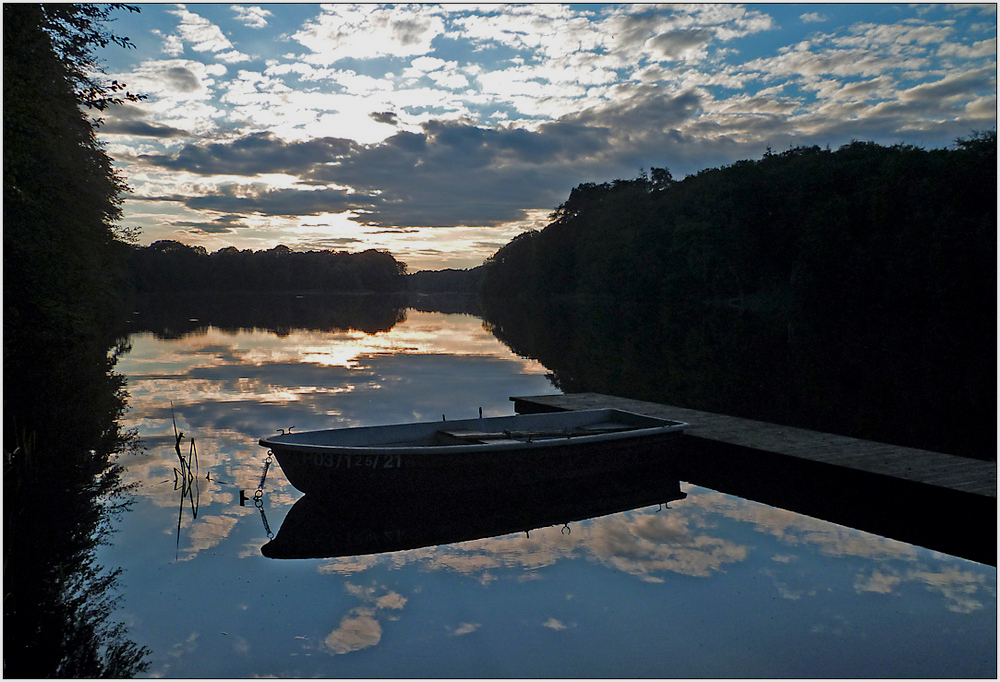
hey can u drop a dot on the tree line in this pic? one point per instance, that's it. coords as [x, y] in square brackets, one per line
[863, 228]
[169, 266]
[872, 269]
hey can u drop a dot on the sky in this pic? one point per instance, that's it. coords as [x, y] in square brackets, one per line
[440, 132]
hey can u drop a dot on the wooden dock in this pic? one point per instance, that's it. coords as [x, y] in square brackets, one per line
[939, 501]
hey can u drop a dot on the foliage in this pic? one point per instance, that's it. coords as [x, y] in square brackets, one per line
[878, 261]
[75, 32]
[170, 266]
[445, 281]
[813, 222]
[62, 197]
[62, 273]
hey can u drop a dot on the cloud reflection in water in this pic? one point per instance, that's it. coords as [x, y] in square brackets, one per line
[234, 381]
[228, 389]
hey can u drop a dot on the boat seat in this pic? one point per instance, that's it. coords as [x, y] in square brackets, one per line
[471, 437]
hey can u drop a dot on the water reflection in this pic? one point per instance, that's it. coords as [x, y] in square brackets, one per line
[235, 379]
[713, 586]
[229, 387]
[186, 481]
[366, 519]
[763, 364]
[769, 594]
[173, 316]
[63, 495]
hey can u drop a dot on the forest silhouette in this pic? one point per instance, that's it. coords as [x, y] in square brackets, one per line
[170, 266]
[64, 272]
[851, 291]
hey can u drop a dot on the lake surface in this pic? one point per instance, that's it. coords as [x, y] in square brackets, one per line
[710, 585]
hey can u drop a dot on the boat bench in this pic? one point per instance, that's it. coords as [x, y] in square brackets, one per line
[471, 437]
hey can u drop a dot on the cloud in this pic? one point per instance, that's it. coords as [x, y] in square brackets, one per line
[232, 380]
[168, 81]
[877, 581]
[641, 109]
[452, 116]
[181, 78]
[978, 81]
[680, 44]
[253, 154]
[253, 16]
[232, 57]
[256, 198]
[366, 32]
[199, 32]
[959, 589]
[141, 129]
[359, 628]
[554, 624]
[464, 629]
[356, 632]
[388, 117]
[225, 224]
[983, 48]
[172, 44]
[126, 119]
[391, 600]
[206, 533]
[450, 173]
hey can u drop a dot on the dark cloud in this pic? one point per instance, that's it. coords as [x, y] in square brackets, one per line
[181, 78]
[127, 119]
[280, 202]
[673, 44]
[385, 117]
[221, 225]
[642, 109]
[979, 81]
[451, 172]
[331, 242]
[141, 129]
[253, 154]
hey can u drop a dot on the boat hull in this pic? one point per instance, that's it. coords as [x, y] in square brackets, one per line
[315, 464]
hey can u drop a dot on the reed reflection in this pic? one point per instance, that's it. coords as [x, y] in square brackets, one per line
[186, 482]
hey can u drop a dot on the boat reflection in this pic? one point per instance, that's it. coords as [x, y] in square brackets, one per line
[365, 520]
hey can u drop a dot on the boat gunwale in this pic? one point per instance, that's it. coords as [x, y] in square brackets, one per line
[501, 446]
[666, 427]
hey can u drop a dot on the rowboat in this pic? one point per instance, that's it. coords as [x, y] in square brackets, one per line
[367, 519]
[497, 450]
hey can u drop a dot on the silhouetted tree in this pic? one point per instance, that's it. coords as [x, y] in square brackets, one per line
[881, 259]
[63, 267]
[170, 266]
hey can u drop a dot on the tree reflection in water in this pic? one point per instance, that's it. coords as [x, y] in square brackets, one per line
[62, 494]
[759, 361]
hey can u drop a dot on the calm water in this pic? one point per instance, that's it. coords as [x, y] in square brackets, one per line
[713, 585]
